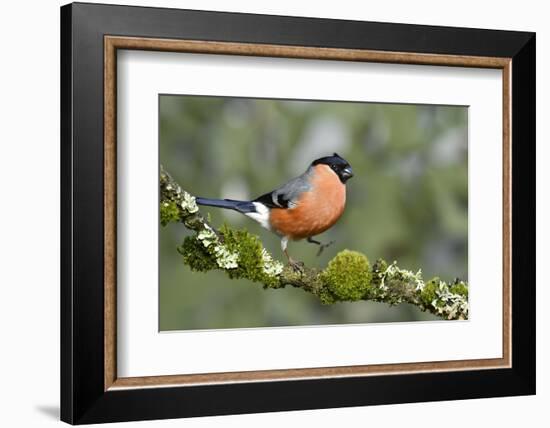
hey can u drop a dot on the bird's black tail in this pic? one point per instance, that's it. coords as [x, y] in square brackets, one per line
[240, 206]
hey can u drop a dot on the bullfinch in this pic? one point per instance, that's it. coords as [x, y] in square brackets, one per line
[301, 208]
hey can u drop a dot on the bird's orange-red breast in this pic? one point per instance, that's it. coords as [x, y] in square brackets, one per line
[316, 210]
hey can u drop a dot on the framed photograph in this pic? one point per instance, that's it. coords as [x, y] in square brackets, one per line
[266, 213]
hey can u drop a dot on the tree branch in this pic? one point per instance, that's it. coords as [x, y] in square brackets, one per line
[349, 276]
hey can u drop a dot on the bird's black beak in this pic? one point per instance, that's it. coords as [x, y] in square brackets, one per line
[346, 173]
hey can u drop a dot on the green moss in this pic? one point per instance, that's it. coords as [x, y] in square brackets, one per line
[251, 259]
[459, 288]
[196, 256]
[326, 297]
[347, 277]
[168, 212]
[429, 292]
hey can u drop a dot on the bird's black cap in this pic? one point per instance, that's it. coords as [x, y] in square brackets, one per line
[338, 164]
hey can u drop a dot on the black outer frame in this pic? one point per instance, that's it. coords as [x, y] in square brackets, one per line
[83, 399]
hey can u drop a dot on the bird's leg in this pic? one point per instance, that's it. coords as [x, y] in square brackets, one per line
[295, 265]
[321, 245]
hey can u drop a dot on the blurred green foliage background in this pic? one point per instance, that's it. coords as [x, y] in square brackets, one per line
[408, 200]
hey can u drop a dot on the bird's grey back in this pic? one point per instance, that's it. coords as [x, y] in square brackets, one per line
[287, 195]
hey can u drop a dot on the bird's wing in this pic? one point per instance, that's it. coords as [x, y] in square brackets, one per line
[288, 194]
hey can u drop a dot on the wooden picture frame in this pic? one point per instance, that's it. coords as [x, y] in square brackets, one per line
[91, 390]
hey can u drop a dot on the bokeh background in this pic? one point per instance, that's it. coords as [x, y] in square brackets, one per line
[408, 200]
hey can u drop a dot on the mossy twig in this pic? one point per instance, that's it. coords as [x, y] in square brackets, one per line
[349, 276]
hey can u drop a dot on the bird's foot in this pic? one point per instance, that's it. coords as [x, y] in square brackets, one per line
[323, 246]
[296, 266]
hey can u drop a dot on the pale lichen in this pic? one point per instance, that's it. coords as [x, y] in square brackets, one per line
[176, 203]
[450, 301]
[393, 272]
[396, 285]
[271, 267]
[188, 203]
[224, 258]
